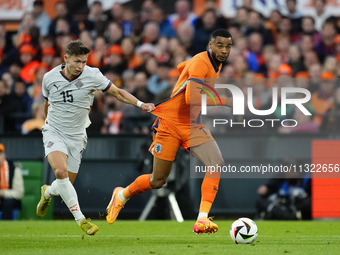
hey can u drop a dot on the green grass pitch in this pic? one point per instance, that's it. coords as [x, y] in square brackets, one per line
[166, 237]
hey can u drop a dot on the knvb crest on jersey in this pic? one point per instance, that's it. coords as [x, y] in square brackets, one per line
[79, 84]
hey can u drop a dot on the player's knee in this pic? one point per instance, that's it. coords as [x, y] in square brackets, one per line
[157, 184]
[218, 161]
[61, 173]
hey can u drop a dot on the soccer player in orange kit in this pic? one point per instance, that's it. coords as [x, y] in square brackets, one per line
[179, 124]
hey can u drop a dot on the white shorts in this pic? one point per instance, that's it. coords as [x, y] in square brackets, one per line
[72, 147]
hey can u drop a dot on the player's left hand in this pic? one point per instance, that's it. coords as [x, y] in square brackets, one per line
[148, 107]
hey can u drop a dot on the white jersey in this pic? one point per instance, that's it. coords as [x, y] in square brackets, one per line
[71, 100]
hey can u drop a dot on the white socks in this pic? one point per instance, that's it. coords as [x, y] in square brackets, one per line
[202, 214]
[69, 195]
[52, 191]
[121, 196]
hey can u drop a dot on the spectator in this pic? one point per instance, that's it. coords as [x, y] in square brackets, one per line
[204, 27]
[159, 82]
[42, 20]
[11, 186]
[295, 60]
[310, 58]
[282, 45]
[96, 56]
[141, 91]
[27, 53]
[306, 43]
[86, 38]
[96, 12]
[147, 8]
[23, 103]
[113, 76]
[285, 28]
[128, 80]
[35, 89]
[162, 50]
[322, 100]
[255, 46]
[293, 14]
[242, 44]
[165, 28]
[34, 125]
[255, 26]
[337, 47]
[128, 21]
[61, 11]
[331, 120]
[15, 69]
[151, 33]
[314, 72]
[62, 27]
[182, 15]
[302, 80]
[327, 46]
[330, 64]
[241, 19]
[23, 36]
[115, 59]
[47, 55]
[146, 51]
[185, 34]
[165, 94]
[320, 13]
[308, 27]
[240, 66]
[97, 119]
[9, 81]
[268, 51]
[115, 14]
[286, 197]
[128, 48]
[7, 107]
[114, 33]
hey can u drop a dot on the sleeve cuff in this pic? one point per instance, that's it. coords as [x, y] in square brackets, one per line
[107, 87]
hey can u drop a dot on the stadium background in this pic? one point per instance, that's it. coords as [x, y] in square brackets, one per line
[277, 46]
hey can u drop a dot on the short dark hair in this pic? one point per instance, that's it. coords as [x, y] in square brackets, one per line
[76, 48]
[219, 32]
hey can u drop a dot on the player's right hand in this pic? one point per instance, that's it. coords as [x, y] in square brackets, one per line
[148, 107]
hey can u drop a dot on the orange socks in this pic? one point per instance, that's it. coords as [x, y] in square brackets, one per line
[140, 185]
[205, 207]
[209, 189]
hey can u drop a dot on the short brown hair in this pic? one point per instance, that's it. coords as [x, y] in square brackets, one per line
[76, 48]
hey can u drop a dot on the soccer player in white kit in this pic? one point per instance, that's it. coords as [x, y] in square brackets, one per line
[69, 92]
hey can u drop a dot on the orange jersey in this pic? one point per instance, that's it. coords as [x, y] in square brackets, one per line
[179, 118]
[185, 101]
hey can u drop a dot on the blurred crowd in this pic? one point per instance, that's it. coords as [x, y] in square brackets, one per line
[140, 50]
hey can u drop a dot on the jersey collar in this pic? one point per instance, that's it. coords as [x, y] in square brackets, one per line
[212, 62]
[62, 73]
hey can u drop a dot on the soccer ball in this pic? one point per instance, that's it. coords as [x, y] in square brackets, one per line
[243, 231]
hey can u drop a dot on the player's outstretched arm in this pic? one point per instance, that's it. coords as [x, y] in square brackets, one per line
[127, 98]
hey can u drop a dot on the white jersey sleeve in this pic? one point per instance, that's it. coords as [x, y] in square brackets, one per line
[101, 82]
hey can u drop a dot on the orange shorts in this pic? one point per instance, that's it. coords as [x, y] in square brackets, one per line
[170, 136]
